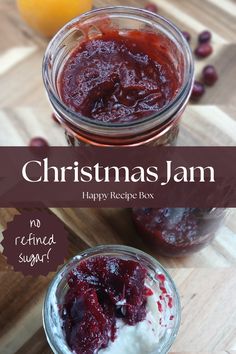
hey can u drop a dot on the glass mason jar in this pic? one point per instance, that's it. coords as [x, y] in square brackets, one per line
[170, 320]
[178, 231]
[159, 128]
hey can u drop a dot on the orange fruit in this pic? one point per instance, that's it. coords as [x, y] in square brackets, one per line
[48, 16]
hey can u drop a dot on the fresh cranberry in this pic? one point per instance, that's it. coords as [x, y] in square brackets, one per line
[209, 75]
[151, 7]
[197, 91]
[38, 142]
[204, 37]
[203, 50]
[187, 36]
[102, 289]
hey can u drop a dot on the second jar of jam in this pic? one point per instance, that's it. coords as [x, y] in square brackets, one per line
[119, 76]
[177, 232]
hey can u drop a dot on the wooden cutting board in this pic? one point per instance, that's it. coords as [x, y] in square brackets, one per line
[207, 280]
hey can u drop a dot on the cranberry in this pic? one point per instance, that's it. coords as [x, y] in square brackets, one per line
[187, 36]
[151, 7]
[203, 50]
[38, 142]
[197, 91]
[204, 37]
[209, 75]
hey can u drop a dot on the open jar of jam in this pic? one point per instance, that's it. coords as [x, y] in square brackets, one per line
[178, 231]
[119, 76]
[111, 300]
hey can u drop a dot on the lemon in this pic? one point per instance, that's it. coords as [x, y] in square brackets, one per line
[48, 16]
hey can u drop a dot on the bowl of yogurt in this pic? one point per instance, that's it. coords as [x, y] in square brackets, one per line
[111, 299]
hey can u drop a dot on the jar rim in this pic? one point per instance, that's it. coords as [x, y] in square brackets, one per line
[109, 249]
[81, 121]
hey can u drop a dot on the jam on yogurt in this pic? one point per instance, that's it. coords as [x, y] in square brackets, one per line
[177, 231]
[119, 76]
[109, 308]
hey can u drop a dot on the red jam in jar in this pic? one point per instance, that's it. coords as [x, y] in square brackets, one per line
[177, 231]
[119, 77]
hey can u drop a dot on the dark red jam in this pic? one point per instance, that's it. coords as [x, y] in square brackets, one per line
[119, 77]
[102, 289]
[177, 231]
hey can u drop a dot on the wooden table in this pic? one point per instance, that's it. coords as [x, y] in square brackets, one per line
[207, 280]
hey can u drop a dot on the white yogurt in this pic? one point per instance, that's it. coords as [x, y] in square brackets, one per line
[143, 338]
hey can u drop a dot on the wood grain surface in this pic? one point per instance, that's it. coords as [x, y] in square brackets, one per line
[206, 280]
